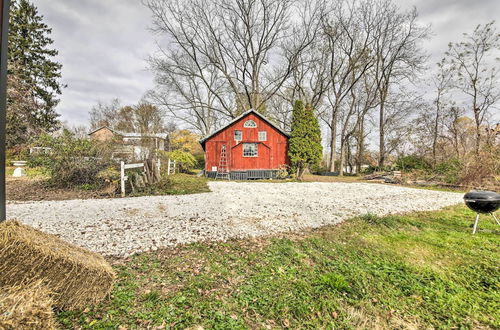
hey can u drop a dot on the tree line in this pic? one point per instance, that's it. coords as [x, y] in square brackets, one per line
[356, 63]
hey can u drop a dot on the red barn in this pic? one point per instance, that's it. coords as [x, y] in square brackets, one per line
[249, 147]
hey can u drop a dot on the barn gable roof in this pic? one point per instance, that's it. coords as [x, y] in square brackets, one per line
[243, 115]
[132, 134]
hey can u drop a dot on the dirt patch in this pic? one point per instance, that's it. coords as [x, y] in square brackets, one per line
[26, 189]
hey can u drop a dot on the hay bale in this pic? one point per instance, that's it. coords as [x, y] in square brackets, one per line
[75, 276]
[26, 307]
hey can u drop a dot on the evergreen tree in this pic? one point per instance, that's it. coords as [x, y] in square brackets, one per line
[31, 66]
[305, 147]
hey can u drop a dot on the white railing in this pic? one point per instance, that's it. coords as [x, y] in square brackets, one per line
[123, 177]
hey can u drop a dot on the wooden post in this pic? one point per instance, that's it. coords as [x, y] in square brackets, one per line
[168, 167]
[4, 31]
[122, 178]
[174, 165]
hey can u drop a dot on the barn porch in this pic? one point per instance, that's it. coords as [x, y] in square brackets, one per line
[247, 174]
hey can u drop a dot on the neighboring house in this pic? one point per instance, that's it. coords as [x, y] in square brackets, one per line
[254, 148]
[131, 145]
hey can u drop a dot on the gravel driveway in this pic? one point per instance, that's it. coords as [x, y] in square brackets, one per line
[124, 226]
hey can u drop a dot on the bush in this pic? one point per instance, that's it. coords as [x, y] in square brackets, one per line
[450, 170]
[109, 174]
[184, 160]
[412, 162]
[72, 161]
[200, 161]
[16, 153]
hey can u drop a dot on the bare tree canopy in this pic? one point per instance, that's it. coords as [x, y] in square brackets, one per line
[358, 63]
[475, 71]
[141, 118]
[225, 56]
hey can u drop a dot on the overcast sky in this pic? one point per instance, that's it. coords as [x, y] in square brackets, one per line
[104, 44]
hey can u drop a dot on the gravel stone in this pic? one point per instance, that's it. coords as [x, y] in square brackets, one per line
[126, 226]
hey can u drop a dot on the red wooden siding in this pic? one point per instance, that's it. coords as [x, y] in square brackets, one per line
[272, 153]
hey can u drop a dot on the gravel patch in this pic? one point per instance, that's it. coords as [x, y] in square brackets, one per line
[125, 226]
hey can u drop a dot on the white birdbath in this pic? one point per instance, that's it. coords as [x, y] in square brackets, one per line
[19, 171]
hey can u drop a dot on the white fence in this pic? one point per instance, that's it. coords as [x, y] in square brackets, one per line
[171, 168]
[123, 177]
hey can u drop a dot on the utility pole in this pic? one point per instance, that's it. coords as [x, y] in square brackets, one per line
[4, 32]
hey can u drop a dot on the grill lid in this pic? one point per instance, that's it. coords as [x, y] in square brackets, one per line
[487, 196]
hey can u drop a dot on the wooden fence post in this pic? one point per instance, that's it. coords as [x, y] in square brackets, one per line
[122, 178]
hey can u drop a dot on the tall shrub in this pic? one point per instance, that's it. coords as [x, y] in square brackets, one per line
[72, 161]
[305, 147]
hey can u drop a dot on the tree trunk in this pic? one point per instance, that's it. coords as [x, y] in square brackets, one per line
[342, 161]
[333, 140]
[300, 171]
[348, 155]
[381, 157]
[478, 137]
[361, 144]
[435, 134]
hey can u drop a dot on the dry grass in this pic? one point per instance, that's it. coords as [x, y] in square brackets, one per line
[76, 277]
[26, 307]
[325, 178]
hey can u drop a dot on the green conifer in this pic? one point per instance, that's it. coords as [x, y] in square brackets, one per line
[305, 147]
[31, 65]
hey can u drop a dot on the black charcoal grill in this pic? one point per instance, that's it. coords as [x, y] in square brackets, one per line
[485, 202]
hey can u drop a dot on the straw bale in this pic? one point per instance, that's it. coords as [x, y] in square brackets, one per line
[76, 277]
[26, 307]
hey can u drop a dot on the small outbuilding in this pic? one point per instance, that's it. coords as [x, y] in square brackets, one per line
[129, 144]
[249, 147]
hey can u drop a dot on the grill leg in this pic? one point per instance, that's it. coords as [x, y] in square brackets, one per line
[496, 219]
[475, 224]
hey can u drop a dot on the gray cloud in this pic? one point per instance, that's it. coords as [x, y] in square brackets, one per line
[103, 44]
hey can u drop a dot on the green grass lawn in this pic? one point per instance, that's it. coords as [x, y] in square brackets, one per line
[420, 270]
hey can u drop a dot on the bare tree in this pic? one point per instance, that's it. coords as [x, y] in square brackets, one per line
[368, 101]
[347, 31]
[476, 75]
[148, 118]
[103, 114]
[442, 87]
[189, 93]
[125, 121]
[398, 57]
[362, 99]
[241, 52]
[141, 118]
[347, 127]
[400, 106]
[310, 78]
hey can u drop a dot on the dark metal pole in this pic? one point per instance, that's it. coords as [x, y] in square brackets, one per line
[4, 30]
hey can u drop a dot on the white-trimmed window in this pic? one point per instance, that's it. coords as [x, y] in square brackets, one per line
[250, 124]
[250, 150]
[262, 136]
[238, 135]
